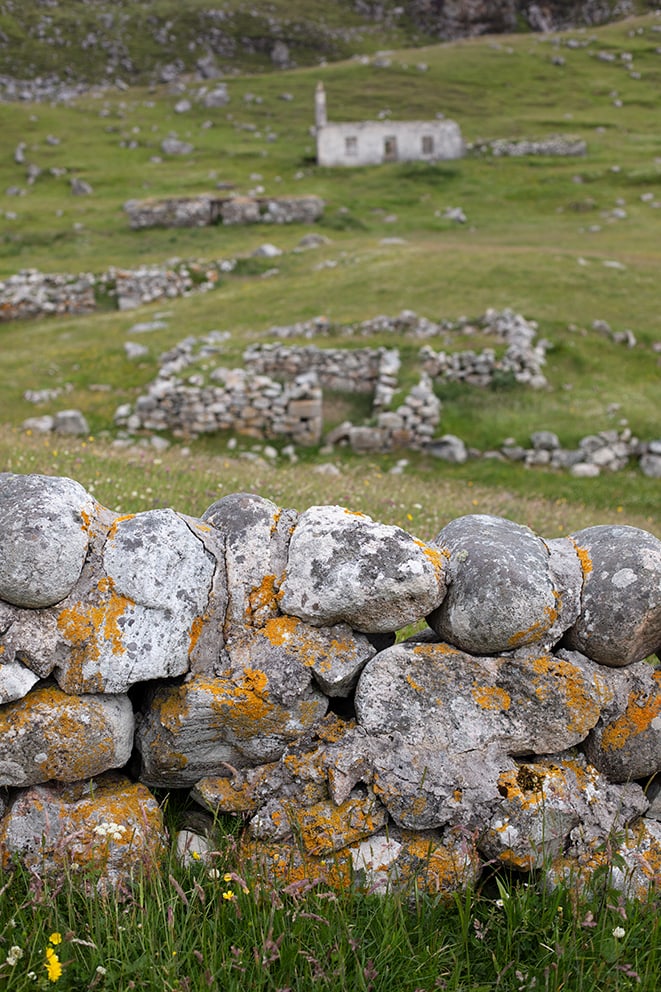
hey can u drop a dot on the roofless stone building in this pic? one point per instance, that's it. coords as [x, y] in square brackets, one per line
[375, 142]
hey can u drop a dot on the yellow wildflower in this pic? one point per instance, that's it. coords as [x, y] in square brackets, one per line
[227, 877]
[55, 939]
[52, 965]
[229, 895]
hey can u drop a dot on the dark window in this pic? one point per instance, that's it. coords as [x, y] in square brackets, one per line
[351, 146]
[427, 144]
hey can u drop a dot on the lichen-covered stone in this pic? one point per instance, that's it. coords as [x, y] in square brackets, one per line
[49, 735]
[143, 617]
[198, 729]
[620, 618]
[345, 568]
[256, 537]
[108, 825]
[440, 697]
[630, 863]
[626, 742]
[333, 655]
[447, 724]
[43, 538]
[506, 586]
[542, 801]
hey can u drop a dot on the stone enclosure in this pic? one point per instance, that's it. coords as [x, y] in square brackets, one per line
[250, 656]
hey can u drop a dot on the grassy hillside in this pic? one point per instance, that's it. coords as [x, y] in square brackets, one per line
[564, 241]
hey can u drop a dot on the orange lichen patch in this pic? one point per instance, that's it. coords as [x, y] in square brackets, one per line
[584, 558]
[414, 684]
[263, 596]
[419, 805]
[583, 710]
[458, 795]
[109, 824]
[355, 513]
[536, 629]
[62, 727]
[285, 864]
[87, 520]
[2, 649]
[440, 648]
[636, 719]
[196, 629]
[244, 704]
[491, 697]
[276, 521]
[85, 624]
[203, 528]
[523, 786]
[437, 556]
[332, 729]
[324, 827]
[439, 868]
[171, 706]
[112, 533]
[281, 630]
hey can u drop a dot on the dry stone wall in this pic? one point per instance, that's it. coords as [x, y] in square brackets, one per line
[206, 209]
[249, 656]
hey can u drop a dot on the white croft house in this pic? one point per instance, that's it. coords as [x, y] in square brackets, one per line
[374, 142]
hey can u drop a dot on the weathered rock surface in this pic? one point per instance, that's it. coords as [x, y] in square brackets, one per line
[626, 742]
[43, 538]
[391, 582]
[543, 801]
[505, 589]
[333, 655]
[198, 729]
[447, 724]
[49, 735]
[110, 825]
[144, 617]
[620, 619]
[630, 864]
[255, 534]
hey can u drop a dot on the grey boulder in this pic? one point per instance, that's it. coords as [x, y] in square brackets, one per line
[506, 586]
[345, 568]
[620, 618]
[43, 538]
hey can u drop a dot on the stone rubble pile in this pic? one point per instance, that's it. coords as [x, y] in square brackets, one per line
[206, 209]
[249, 656]
[609, 451]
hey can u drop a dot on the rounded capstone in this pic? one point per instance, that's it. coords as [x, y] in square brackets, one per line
[506, 587]
[345, 568]
[620, 618]
[43, 538]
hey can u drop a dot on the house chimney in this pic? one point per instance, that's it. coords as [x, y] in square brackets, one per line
[320, 118]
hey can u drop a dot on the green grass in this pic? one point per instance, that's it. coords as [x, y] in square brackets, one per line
[180, 931]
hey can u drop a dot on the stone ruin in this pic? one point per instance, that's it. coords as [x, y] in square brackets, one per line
[207, 209]
[250, 657]
[251, 401]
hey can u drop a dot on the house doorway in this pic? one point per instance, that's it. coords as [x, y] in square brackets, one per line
[390, 149]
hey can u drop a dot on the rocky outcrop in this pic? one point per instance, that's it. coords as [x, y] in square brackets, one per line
[461, 18]
[250, 657]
